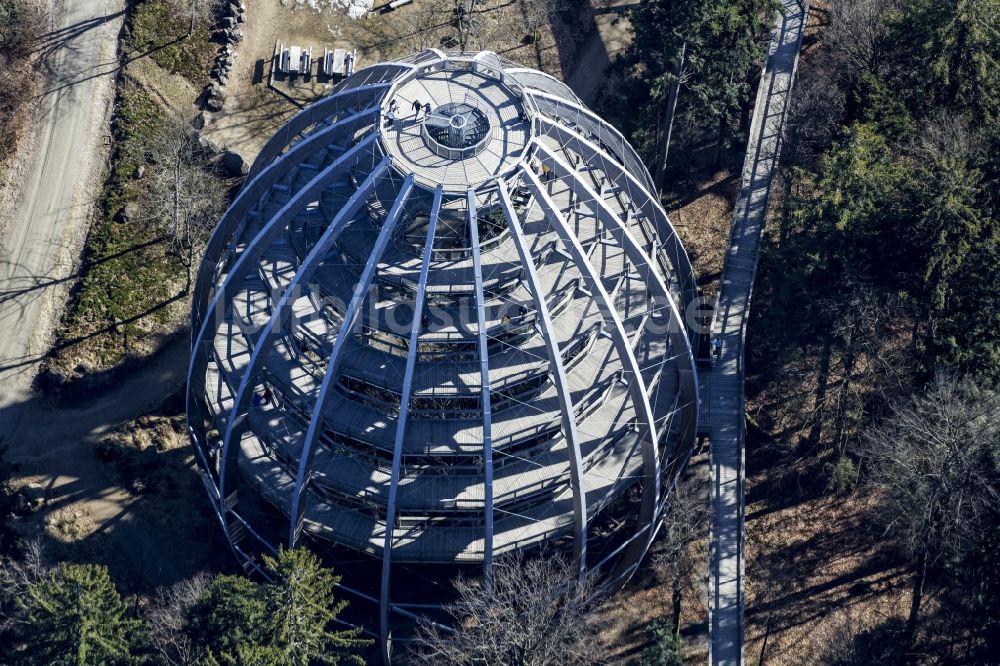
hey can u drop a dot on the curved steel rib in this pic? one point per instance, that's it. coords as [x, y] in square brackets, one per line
[404, 409]
[235, 424]
[336, 356]
[577, 481]
[484, 380]
[620, 340]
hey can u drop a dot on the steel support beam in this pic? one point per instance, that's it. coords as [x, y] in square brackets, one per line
[619, 338]
[336, 357]
[687, 377]
[312, 114]
[404, 410]
[581, 116]
[250, 194]
[484, 380]
[235, 423]
[679, 259]
[687, 372]
[577, 481]
[247, 262]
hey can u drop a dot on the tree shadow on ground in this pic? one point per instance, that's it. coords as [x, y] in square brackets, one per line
[161, 531]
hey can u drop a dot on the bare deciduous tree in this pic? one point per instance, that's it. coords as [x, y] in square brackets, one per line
[816, 110]
[535, 613]
[854, 42]
[686, 522]
[16, 576]
[948, 138]
[866, 364]
[465, 21]
[852, 641]
[536, 16]
[167, 620]
[856, 35]
[185, 195]
[935, 460]
[22, 26]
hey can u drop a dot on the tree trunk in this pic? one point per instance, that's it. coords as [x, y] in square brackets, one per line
[916, 597]
[190, 264]
[763, 644]
[177, 203]
[676, 619]
[721, 140]
[843, 397]
[786, 206]
[819, 401]
[668, 120]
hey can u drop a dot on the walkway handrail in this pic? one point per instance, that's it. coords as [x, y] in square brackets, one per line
[726, 623]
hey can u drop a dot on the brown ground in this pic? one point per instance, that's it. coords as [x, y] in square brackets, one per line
[172, 90]
[813, 568]
[817, 570]
[253, 111]
[148, 534]
[703, 217]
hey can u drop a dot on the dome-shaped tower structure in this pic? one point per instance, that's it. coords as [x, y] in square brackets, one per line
[430, 338]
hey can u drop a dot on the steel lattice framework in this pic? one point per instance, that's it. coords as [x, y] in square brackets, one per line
[473, 343]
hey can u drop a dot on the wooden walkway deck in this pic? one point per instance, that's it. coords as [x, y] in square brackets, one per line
[725, 386]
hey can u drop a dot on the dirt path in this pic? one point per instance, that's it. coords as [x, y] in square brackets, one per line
[54, 186]
[89, 515]
[55, 447]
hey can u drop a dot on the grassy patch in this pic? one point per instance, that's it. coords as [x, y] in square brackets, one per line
[132, 283]
[160, 28]
[139, 119]
[128, 268]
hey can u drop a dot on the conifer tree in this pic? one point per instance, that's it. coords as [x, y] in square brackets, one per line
[301, 609]
[74, 616]
[285, 621]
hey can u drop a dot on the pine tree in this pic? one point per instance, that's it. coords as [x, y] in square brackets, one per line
[301, 608]
[723, 46]
[74, 616]
[666, 644]
[230, 614]
[947, 53]
[283, 622]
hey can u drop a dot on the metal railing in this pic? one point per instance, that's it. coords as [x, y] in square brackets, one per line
[748, 182]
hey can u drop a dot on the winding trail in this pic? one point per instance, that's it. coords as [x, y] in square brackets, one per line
[724, 390]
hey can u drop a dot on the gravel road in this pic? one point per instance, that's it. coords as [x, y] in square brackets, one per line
[53, 186]
[58, 176]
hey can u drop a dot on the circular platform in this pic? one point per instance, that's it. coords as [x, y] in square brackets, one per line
[488, 104]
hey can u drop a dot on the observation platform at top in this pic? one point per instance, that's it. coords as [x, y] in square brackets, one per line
[489, 131]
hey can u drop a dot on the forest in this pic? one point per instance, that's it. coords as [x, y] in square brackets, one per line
[881, 278]
[873, 352]
[875, 319]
